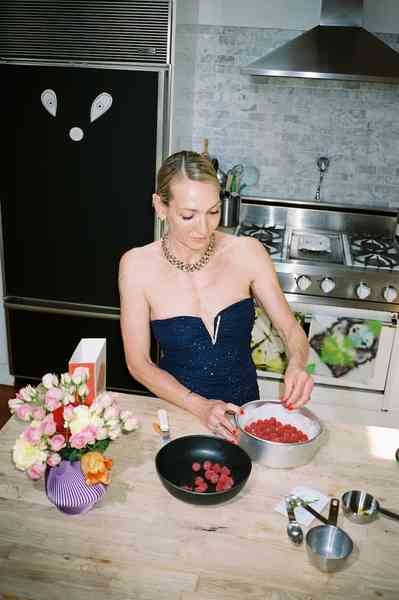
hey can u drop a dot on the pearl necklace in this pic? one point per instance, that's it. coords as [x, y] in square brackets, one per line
[187, 267]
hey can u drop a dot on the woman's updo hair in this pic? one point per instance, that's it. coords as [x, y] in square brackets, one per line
[183, 164]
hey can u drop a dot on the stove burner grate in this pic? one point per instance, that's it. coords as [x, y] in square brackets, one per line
[269, 235]
[372, 251]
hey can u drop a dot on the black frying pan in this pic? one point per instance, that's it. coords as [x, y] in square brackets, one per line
[174, 466]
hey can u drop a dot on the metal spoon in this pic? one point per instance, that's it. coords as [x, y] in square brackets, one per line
[322, 164]
[294, 530]
[297, 501]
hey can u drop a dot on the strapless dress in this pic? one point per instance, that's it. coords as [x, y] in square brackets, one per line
[218, 367]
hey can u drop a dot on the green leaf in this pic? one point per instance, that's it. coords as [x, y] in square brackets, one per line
[73, 454]
[333, 354]
[374, 326]
[311, 368]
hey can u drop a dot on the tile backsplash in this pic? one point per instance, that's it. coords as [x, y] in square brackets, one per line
[282, 125]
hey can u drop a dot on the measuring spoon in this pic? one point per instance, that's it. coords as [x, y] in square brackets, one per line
[297, 501]
[294, 530]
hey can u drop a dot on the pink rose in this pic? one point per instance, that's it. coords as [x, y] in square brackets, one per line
[32, 435]
[38, 413]
[48, 426]
[36, 471]
[79, 440]
[54, 460]
[23, 412]
[54, 398]
[68, 412]
[57, 442]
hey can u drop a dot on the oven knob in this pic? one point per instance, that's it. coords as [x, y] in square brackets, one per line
[363, 291]
[303, 282]
[390, 293]
[327, 285]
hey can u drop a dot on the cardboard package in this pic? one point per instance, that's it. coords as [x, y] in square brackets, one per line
[90, 354]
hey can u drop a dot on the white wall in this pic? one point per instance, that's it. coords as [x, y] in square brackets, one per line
[379, 15]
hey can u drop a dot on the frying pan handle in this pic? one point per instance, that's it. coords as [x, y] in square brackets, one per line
[333, 513]
[388, 513]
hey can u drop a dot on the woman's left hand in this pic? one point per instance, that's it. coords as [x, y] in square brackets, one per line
[298, 386]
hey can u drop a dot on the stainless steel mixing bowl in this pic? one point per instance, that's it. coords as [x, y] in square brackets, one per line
[279, 455]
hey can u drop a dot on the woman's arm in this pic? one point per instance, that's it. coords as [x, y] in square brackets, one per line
[266, 288]
[135, 327]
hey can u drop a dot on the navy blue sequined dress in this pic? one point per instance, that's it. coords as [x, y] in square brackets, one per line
[221, 367]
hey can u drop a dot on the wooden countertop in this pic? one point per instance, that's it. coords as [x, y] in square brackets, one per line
[141, 543]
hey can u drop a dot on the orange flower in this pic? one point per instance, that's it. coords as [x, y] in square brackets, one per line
[95, 467]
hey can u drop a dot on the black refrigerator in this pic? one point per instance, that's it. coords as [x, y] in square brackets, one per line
[81, 147]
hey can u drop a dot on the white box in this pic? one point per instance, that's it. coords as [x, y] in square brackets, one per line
[91, 354]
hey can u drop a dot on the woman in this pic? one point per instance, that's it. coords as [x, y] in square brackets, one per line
[194, 288]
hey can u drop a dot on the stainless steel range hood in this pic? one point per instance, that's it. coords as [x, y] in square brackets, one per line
[338, 48]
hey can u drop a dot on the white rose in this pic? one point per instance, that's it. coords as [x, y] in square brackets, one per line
[13, 403]
[68, 399]
[25, 454]
[77, 378]
[130, 424]
[83, 372]
[49, 380]
[126, 414]
[106, 400]
[96, 407]
[66, 379]
[114, 432]
[83, 390]
[111, 412]
[112, 423]
[102, 433]
[28, 393]
[80, 419]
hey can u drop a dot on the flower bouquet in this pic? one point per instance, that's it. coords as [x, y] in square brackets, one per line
[63, 426]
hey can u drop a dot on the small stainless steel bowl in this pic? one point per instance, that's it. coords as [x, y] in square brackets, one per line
[279, 455]
[359, 506]
[328, 547]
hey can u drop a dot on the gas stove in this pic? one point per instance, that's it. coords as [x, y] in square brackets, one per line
[328, 252]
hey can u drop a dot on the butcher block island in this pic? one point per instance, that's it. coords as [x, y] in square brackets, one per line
[141, 543]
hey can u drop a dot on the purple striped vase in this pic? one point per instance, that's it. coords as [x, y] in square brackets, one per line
[67, 489]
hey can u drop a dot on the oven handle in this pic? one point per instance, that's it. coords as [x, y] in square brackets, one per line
[392, 323]
[388, 319]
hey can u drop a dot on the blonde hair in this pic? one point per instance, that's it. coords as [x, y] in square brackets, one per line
[182, 164]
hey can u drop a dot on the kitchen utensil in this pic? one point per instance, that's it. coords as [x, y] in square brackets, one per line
[333, 512]
[174, 466]
[361, 507]
[297, 501]
[322, 164]
[279, 455]
[230, 209]
[294, 530]
[328, 547]
[164, 425]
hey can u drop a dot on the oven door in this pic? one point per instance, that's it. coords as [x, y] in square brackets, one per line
[349, 347]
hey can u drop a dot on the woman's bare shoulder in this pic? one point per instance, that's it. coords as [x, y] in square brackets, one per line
[141, 254]
[243, 245]
[137, 261]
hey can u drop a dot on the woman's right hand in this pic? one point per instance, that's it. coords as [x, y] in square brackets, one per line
[213, 416]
